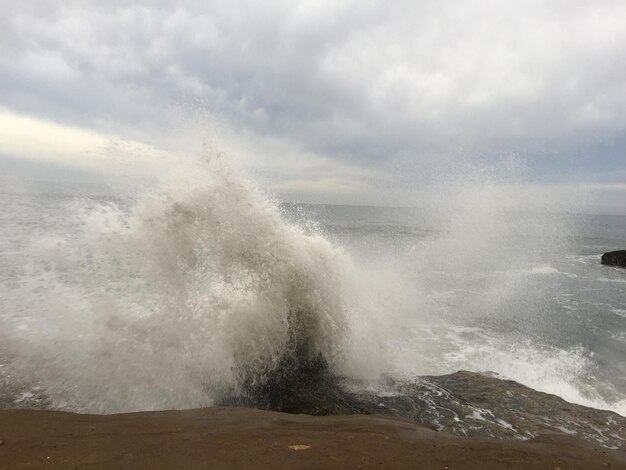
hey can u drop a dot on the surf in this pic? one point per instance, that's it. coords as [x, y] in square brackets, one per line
[204, 290]
[199, 292]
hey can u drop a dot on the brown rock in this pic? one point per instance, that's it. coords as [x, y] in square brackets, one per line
[221, 438]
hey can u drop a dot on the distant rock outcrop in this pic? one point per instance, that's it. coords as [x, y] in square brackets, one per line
[614, 258]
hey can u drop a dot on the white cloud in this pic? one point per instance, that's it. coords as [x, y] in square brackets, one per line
[36, 139]
[345, 92]
[33, 138]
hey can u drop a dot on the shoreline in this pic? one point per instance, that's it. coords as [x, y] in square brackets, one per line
[231, 437]
[465, 404]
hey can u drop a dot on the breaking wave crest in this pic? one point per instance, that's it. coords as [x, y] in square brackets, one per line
[196, 293]
[206, 291]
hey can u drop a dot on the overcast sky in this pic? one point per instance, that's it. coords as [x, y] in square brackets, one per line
[330, 101]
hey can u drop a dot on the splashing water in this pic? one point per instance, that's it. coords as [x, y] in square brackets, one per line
[199, 289]
[204, 290]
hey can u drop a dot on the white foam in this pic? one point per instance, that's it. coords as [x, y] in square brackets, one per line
[172, 304]
[169, 305]
[571, 432]
[562, 372]
[606, 279]
[619, 311]
[543, 269]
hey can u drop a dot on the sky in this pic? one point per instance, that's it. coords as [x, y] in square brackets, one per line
[354, 102]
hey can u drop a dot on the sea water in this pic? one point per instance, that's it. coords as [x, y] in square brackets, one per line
[520, 294]
[174, 297]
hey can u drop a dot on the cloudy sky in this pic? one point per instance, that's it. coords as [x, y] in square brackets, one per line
[330, 101]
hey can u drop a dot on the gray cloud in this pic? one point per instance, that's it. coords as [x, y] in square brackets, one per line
[376, 85]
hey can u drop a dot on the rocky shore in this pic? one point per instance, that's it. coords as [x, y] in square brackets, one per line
[225, 438]
[464, 403]
[468, 404]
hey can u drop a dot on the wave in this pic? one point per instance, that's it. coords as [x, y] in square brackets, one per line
[207, 291]
[200, 291]
[545, 269]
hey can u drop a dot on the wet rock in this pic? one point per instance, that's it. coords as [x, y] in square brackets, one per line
[463, 403]
[614, 258]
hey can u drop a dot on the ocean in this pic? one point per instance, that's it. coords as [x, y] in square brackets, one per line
[177, 297]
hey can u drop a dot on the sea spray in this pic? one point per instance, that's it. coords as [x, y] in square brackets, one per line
[484, 285]
[199, 290]
[203, 290]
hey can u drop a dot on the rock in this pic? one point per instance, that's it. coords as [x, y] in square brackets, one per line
[244, 438]
[614, 258]
[463, 403]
